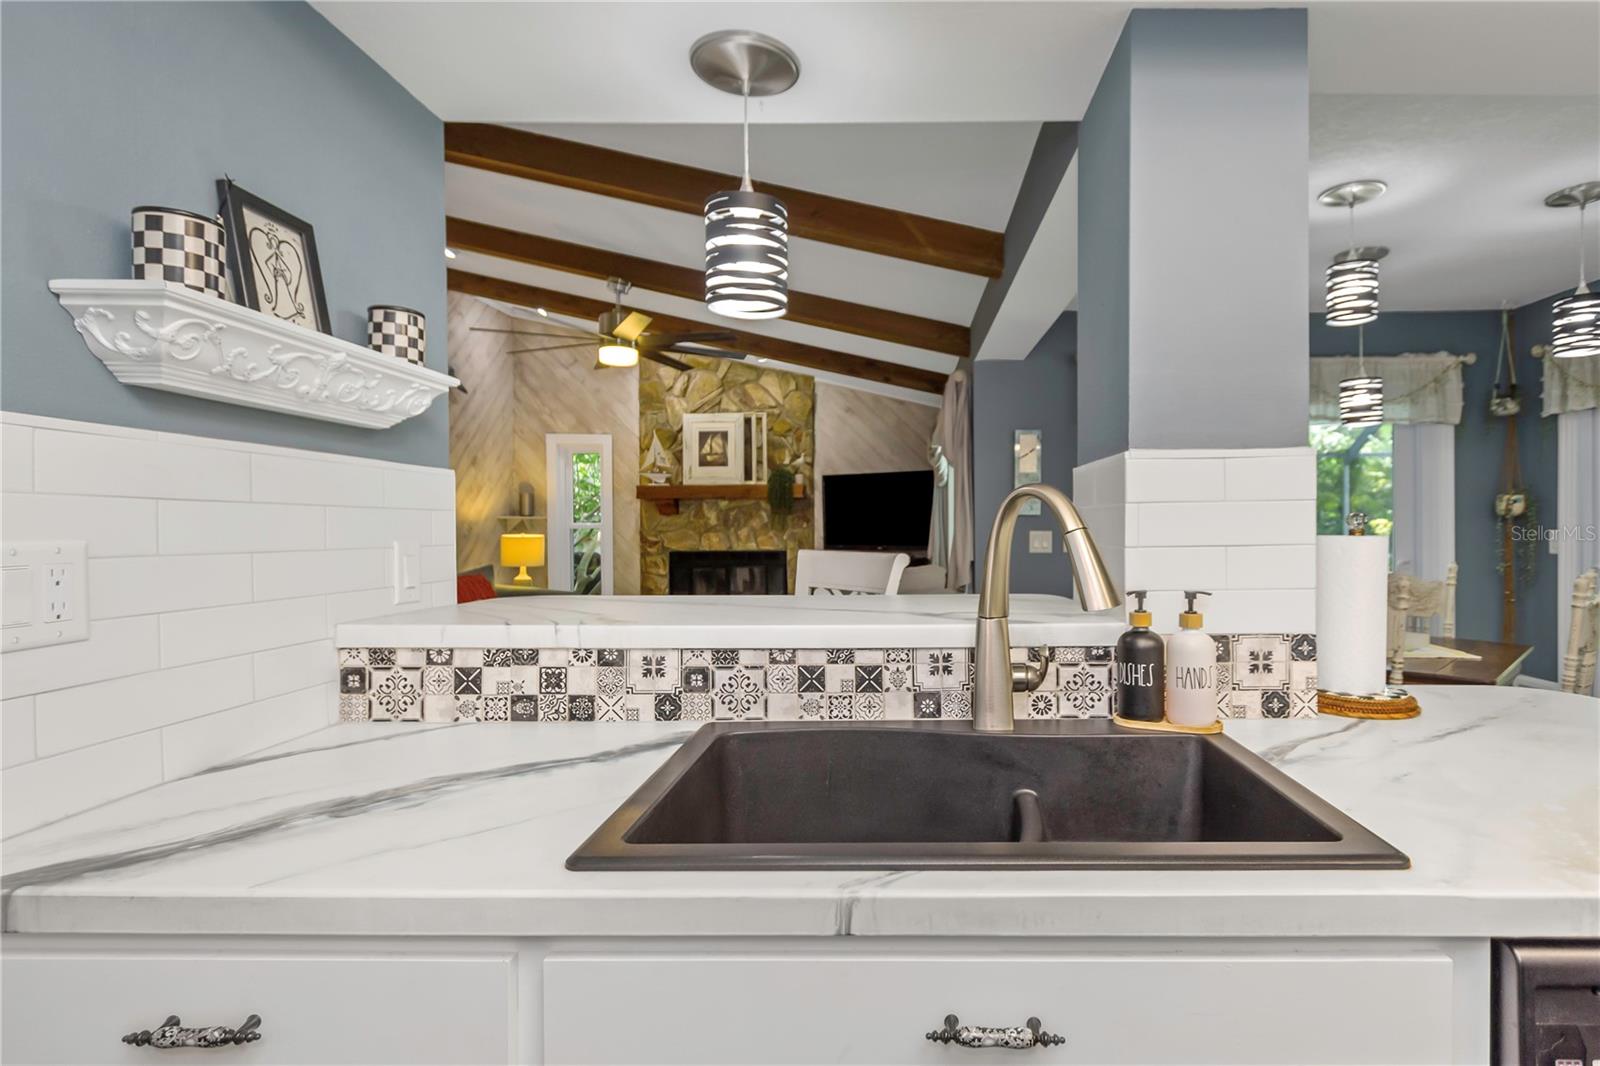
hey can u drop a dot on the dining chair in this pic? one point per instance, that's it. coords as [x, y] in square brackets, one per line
[1413, 605]
[836, 573]
[1578, 665]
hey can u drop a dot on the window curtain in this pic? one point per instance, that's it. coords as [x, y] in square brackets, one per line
[1577, 536]
[952, 444]
[1416, 388]
[1571, 385]
[1424, 538]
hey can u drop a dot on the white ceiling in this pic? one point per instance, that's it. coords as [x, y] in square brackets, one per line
[1472, 111]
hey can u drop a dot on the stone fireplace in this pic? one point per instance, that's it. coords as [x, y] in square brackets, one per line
[727, 573]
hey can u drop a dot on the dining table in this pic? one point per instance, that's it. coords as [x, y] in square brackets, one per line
[1496, 663]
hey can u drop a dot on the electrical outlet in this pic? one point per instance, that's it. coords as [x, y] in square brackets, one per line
[1040, 542]
[45, 593]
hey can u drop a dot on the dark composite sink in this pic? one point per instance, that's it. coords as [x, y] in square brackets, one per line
[1085, 794]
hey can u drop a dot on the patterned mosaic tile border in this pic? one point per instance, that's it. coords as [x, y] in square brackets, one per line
[1259, 675]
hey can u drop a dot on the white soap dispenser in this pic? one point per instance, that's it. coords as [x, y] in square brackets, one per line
[1191, 670]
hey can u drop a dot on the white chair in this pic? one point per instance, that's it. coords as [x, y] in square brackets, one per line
[826, 573]
[1412, 600]
[1578, 665]
[924, 579]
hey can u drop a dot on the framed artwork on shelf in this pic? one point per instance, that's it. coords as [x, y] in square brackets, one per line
[713, 449]
[274, 256]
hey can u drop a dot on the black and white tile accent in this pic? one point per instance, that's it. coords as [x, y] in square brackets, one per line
[1259, 676]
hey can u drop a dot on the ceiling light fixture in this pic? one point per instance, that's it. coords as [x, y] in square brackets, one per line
[1352, 277]
[1575, 326]
[618, 353]
[747, 232]
[1361, 397]
[449, 253]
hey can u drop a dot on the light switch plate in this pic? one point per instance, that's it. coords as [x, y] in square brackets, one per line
[1040, 542]
[406, 559]
[44, 587]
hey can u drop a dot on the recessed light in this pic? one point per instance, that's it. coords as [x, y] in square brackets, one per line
[542, 312]
[449, 253]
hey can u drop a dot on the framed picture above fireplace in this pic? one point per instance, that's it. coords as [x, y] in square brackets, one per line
[713, 449]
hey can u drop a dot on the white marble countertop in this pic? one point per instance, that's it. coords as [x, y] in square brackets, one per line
[464, 830]
[932, 621]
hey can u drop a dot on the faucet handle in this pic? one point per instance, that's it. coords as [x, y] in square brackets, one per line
[1027, 676]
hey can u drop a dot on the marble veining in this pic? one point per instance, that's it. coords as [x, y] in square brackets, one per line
[464, 830]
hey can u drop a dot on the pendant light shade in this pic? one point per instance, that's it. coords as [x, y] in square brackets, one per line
[1575, 319]
[747, 232]
[747, 255]
[1361, 401]
[1352, 292]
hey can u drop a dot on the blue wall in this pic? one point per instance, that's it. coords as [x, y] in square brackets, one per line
[1480, 446]
[1033, 393]
[109, 105]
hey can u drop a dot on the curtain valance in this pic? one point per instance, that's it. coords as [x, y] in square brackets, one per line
[1571, 384]
[1416, 388]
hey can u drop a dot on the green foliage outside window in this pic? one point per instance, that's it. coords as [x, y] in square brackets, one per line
[586, 487]
[1355, 472]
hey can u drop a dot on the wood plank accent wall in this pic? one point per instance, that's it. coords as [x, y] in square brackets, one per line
[865, 433]
[497, 432]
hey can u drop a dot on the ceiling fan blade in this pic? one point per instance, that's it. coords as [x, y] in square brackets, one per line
[665, 360]
[534, 333]
[630, 328]
[552, 348]
[704, 353]
[663, 340]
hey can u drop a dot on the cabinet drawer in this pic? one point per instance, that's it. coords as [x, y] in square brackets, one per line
[1283, 1007]
[68, 1007]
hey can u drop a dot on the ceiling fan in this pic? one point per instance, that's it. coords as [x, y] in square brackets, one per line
[622, 337]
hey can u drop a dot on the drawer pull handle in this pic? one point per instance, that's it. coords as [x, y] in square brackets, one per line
[172, 1033]
[1012, 1037]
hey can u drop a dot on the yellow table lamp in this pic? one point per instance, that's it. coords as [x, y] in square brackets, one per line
[522, 550]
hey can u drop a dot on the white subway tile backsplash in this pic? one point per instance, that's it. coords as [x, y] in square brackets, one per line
[439, 593]
[293, 668]
[289, 479]
[1275, 477]
[88, 714]
[1176, 568]
[111, 525]
[1155, 480]
[195, 636]
[376, 527]
[122, 587]
[430, 488]
[1276, 566]
[369, 603]
[16, 458]
[189, 527]
[116, 647]
[444, 527]
[202, 743]
[1244, 522]
[16, 731]
[46, 789]
[283, 575]
[1235, 610]
[90, 464]
[438, 562]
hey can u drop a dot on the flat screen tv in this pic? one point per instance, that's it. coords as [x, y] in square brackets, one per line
[878, 512]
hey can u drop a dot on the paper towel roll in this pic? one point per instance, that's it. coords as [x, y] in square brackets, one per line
[1352, 613]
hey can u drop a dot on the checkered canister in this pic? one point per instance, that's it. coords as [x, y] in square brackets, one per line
[179, 246]
[397, 331]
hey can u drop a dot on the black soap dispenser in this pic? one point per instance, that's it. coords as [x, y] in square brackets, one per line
[1140, 669]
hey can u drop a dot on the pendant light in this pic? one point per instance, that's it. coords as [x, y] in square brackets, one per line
[747, 232]
[1352, 278]
[1575, 327]
[1361, 397]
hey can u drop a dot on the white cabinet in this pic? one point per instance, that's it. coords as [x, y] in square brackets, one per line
[1208, 1006]
[373, 1007]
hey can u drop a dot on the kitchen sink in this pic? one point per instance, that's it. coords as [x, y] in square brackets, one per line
[937, 795]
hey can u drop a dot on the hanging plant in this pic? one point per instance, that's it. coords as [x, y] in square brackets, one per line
[780, 496]
[1520, 513]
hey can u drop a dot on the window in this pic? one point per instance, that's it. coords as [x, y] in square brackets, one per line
[1355, 472]
[579, 469]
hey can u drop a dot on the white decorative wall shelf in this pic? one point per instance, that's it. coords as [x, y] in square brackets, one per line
[166, 336]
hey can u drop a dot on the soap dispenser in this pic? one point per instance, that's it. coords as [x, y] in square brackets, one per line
[1140, 668]
[1191, 670]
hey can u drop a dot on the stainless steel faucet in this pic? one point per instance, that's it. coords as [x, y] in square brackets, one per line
[996, 678]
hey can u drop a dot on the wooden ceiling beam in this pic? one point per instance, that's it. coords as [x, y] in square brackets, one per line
[786, 351]
[688, 283]
[675, 187]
